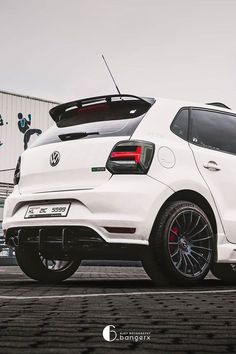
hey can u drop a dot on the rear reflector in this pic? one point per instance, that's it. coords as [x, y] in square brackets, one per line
[120, 230]
[130, 157]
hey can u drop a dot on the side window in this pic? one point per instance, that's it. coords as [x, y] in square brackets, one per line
[179, 125]
[213, 130]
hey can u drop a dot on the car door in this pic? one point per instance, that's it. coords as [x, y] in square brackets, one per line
[212, 138]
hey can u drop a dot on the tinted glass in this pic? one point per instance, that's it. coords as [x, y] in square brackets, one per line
[180, 124]
[96, 120]
[213, 130]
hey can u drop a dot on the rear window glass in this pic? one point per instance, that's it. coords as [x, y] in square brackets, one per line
[119, 118]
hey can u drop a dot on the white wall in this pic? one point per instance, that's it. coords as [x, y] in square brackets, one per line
[1, 212]
[11, 138]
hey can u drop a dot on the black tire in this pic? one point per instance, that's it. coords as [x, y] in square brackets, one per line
[37, 267]
[224, 271]
[181, 246]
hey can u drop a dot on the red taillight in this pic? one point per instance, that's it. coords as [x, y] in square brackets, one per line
[128, 157]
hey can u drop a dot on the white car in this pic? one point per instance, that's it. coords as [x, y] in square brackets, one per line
[125, 177]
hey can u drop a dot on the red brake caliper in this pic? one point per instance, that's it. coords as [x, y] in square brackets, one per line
[174, 233]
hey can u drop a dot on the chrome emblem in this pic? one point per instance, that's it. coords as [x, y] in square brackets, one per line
[54, 158]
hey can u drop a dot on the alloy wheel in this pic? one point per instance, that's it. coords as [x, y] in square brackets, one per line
[190, 243]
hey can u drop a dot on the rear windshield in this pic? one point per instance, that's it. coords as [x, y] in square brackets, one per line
[119, 118]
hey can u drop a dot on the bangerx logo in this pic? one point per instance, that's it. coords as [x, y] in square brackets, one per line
[110, 334]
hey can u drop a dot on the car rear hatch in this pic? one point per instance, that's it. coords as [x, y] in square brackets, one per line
[73, 153]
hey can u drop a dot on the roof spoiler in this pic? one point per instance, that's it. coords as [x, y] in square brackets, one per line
[57, 111]
[218, 104]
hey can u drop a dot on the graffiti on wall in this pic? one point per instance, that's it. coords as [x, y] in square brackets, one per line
[1, 123]
[24, 127]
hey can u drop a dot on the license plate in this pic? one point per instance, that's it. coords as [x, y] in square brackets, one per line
[47, 211]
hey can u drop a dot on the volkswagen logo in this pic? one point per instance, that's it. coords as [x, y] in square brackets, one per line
[54, 158]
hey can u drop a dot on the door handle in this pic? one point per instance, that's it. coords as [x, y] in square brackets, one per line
[211, 166]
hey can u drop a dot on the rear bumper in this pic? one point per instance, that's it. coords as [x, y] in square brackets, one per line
[72, 242]
[127, 202]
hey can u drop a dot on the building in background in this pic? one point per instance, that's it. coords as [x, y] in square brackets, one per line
[22, 120]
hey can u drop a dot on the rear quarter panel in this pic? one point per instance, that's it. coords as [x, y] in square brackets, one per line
[173, 162]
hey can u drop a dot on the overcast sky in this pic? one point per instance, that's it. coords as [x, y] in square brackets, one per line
[182, 49]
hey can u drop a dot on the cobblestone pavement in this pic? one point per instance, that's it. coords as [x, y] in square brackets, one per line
[70, 317]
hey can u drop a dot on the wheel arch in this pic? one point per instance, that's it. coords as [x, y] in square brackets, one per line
[190, 196]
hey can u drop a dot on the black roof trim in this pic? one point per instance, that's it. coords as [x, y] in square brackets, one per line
[218, 104]
[56, 112]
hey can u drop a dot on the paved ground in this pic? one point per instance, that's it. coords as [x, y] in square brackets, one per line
[70, 318]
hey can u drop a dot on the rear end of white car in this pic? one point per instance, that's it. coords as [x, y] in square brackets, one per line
[83, 189]
[115, 178]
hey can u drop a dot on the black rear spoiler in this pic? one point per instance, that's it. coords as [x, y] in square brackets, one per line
[56, 112]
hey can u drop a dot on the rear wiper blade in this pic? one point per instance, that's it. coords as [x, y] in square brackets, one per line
[74, 136]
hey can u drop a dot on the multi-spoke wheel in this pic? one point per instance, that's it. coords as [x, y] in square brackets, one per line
[37, 267]
[182, 245]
